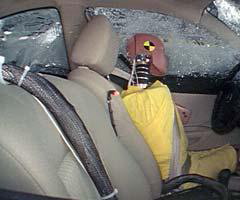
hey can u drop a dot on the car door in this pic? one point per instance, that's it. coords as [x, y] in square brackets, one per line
[199, 61]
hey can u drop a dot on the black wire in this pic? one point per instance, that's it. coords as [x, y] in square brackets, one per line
[176, 182]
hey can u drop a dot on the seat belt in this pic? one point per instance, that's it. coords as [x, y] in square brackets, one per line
[111, 93]
[175, 167]
[122, 82]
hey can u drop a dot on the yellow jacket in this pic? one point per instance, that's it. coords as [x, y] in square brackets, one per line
[152, 111]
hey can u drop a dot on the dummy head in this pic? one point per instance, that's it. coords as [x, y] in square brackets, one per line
[152, 46]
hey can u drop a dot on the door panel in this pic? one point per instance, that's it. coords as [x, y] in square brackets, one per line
[198, 129]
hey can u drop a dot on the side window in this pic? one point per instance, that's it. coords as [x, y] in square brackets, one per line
[34, 38]
[193, 51]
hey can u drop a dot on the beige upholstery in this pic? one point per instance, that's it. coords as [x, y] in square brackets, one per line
[33, 157]
[127, 133]
[97, 46]
[33, 152]
[90, 78]
[125, 173]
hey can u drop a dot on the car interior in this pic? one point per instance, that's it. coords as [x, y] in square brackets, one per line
[37, 159]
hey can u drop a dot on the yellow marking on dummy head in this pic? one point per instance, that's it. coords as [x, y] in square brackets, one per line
[149, 45]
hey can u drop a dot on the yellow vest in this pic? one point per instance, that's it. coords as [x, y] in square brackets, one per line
[152, 111]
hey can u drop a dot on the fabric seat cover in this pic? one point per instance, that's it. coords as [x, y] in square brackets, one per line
[35, 159]
[91, 74]
[33, 156]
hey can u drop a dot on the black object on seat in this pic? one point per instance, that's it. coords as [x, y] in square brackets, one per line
[226, 111]
[224, 176]
[211, 184]
[197, 193]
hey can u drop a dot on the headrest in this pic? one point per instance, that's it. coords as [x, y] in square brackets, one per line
[97, 46]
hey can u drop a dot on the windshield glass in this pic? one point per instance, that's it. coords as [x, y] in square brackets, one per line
[191, 48]
[227, 11]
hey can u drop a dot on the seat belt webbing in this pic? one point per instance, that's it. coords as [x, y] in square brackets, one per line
[175, 168]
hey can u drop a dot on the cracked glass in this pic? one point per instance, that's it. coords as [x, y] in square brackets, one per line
[191, 48]
[34, 38]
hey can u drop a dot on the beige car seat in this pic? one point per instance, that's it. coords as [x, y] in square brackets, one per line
[34, 158]
[96, 52]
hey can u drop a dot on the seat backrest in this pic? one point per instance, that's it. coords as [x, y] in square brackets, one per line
[35, 159]
[125, 173]
[33, 156]
[98, 40]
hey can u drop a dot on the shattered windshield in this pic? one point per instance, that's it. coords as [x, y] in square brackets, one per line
[192, 49]
[34, 38]
[227, 11]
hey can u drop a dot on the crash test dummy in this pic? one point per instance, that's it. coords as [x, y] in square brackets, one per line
[155, 115]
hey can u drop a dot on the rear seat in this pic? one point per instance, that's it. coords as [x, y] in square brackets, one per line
[96, 52]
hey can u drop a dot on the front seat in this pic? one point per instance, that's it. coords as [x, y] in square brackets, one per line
[95, 53]
[35, 159]
[33, 156]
